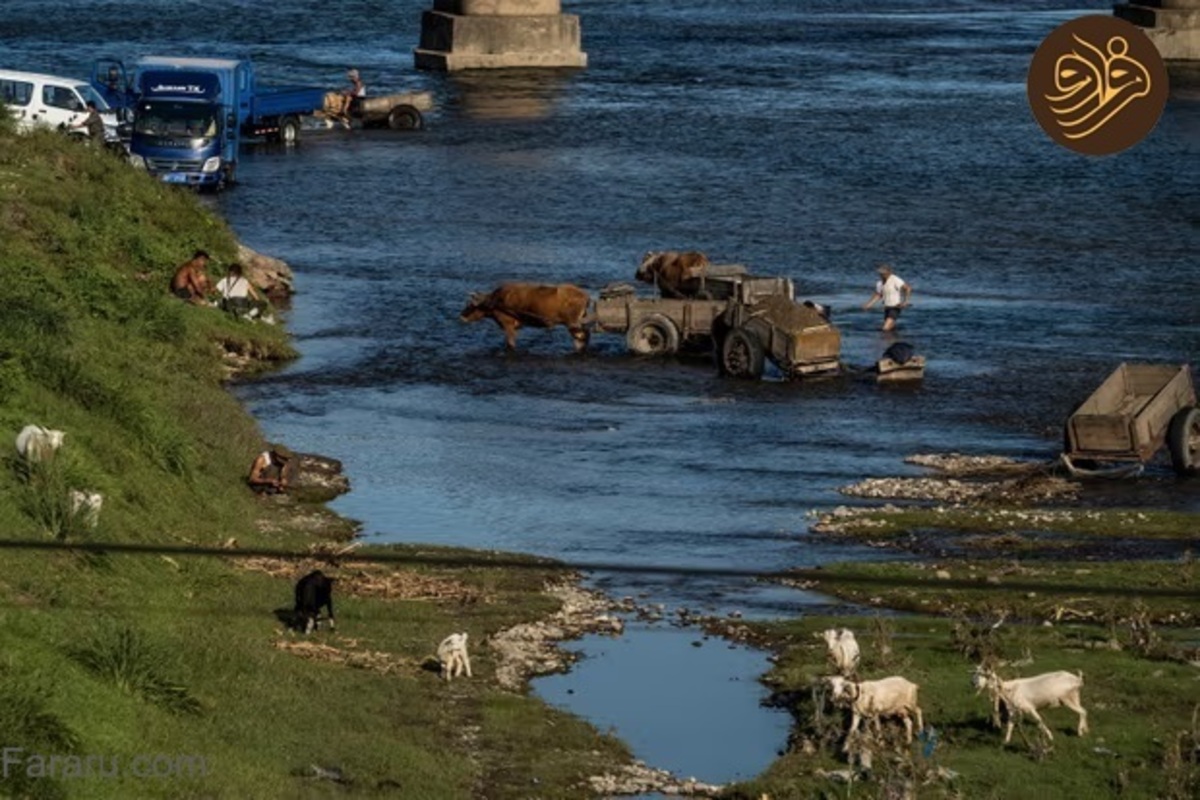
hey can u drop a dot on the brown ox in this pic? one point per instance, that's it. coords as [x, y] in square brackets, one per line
[672, 270]
[536, 305]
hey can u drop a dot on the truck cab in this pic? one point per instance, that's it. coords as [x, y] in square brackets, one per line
[186, 118]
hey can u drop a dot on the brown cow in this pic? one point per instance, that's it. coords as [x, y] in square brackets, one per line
[536, 305]
[671, 270]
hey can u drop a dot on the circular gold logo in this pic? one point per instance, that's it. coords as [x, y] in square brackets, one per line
[1097, 85]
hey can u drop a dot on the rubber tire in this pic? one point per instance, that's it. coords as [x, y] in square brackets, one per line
[653, 335]
[1184, 429]
[405, 118]
[742, 355]
[289, 130]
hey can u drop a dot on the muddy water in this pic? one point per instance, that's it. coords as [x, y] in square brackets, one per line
[808, 139]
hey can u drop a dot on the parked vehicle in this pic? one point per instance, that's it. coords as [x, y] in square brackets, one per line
[50, 101]
[1137, 409]
[658, 326]
[191, 114]
[797, 337]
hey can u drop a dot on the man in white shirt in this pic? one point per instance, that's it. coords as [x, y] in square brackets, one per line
[895, 294]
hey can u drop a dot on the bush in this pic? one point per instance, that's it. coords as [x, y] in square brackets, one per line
[123, 655]
[27, 723]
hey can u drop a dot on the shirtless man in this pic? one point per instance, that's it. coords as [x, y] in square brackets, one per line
[191, 281]
[268, 471]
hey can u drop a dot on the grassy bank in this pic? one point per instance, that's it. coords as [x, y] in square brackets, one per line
[120, 657]
[1142, 714]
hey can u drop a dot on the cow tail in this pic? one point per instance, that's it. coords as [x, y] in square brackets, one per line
[589, 312]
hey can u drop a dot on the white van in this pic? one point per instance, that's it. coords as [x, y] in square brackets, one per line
[51, 101]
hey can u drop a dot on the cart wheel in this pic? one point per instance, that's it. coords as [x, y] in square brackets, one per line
[653, 335]
[1183, 439]
[289, 129]
[742, 354]
[405, 118]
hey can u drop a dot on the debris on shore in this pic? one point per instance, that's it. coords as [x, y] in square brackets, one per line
[530, 649]
[639, 779]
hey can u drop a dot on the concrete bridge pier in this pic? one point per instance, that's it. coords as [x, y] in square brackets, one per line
[498, 34]
[1173, 26]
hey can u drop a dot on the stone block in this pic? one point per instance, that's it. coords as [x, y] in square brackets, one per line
[453, 41]
[503, 8]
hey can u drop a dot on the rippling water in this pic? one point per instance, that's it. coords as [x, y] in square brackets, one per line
[810, 139]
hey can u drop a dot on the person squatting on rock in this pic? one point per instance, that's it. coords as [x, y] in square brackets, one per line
[237, 295]
[268, 472]
[190, 281]
[895, 294]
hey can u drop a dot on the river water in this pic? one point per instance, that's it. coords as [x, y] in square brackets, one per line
[810, 139]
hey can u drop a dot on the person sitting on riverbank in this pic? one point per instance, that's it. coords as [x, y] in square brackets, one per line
[268, 471]
[237, 295]
[190, 281]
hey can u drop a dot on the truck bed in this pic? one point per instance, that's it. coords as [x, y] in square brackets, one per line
[279, 101]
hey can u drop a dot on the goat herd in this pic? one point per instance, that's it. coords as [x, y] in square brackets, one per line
[896, 697]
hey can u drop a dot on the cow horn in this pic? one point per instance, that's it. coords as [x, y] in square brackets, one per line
[476, 298]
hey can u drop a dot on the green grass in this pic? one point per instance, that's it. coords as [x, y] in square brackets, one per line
[1054, 591]
[1140, 711]
[115, 655]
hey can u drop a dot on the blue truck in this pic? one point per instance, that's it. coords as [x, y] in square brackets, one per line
[190, 114]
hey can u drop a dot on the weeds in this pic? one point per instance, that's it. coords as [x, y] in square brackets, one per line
[27, 724]
[123, 655]
[46, 497]
[1181, 762]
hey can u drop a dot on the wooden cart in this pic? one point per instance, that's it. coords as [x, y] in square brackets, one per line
[656, 326]
[1137, 409]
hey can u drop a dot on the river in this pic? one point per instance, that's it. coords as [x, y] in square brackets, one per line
[809, 139]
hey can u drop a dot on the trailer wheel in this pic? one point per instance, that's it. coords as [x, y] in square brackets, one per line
[742, 354]
[289, 129]
[653, 335]
[405, 118]
[1183, 439]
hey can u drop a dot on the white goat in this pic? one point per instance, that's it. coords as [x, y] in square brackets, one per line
[1027, 695]
[35, 443]
[452, 653]
[843, 649]
[87, 505]
[887, 697]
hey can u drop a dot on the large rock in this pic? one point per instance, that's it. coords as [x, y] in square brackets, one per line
[272, 276]
[1173, 26]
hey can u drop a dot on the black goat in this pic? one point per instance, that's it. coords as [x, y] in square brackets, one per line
[313, 591]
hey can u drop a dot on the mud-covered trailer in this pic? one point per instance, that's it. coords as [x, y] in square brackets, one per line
[1137, 409]
[797, 337]
[664, 325]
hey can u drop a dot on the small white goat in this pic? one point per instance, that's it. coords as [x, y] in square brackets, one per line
[843, 650]
[1027, 695]
[87, 505]
[452, 653]
[35, 443]
[887, 697]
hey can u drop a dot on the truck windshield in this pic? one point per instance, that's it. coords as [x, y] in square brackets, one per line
[190, 120]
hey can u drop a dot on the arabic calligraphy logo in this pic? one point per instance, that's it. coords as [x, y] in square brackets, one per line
[1097, 85]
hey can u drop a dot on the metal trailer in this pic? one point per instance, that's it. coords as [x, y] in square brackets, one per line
[1137, 409]
[796, 337]
[657, 326]
[400, 111]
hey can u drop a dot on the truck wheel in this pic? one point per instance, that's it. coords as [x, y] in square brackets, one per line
[653, 335]
[289, 130]
[742, 354]
[1183, 439]
[405, 118]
